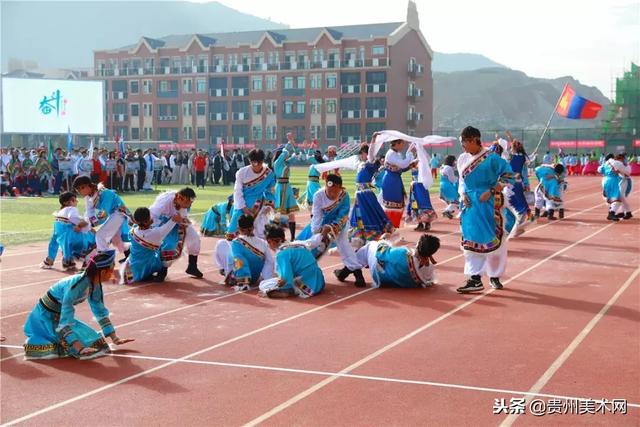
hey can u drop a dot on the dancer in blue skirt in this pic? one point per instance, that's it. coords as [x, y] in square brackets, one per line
[214, 223]
[449, 186]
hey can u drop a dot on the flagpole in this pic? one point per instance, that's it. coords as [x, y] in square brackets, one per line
[550, 118]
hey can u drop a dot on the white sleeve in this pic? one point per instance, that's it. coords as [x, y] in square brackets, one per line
[74, 216]
[269, 263]
[238, 197]
[90, 210]
[157, 235]
[396, 159]
[461, 189]
[449, 173]
[316, 220]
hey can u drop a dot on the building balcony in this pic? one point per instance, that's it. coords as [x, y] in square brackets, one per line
[167, 94]
[350, 88]
[376, 114]
[350, 114]
[167, 118]
[293, 116]
[119, 117]
[239, 139]
[240, 116]
[242, 91]
[413, 117]
[118, 95]
[377, 88]
[218, 116]
[218, 92]
[414, 93]
[293, 92]
[415, 69]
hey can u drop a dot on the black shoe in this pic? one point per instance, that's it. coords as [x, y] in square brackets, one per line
[561, 213]
[628, 215]
[495, 283]
[126, 255]
[427, 226]
[342, 274]
[360, 283]
[447, 214]
[192, 269]
[161, 275]
[472, 285]
[550, 215]
[537, 213]
[420, 227]
[612, 217]
[620, 215]
[292, 230]
[544, 214]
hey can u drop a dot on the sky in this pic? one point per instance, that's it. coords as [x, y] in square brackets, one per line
[592, 40]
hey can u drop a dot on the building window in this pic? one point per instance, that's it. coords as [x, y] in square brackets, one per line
[288, 83]
[271, 82]
[256, 84]
[135, 133]
[201, 133]
[377, 50]
[186, 86]
[316, 81]
[187, 133]
[288, 107]
[300, 107]
[331, 106]
[256, 133]
[218, 60]
[271, 106]
[147, 109]
[187, 109]
[332, 81]
[148, 133]
[316, 132]
[301, 82]
[201, 85]
[135, 110]
[271, 132]
[331, 132]
[147, 87]
[316, 106]
[134, 87]
[256, 108]
[201, 109]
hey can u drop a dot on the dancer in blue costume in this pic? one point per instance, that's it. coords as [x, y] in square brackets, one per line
[331, 215]
[483, 174]
[393, 193]
[166, 206]
[249, 257]
[106, 209]
[549, 190]
[214, 223]
[144, 263]
[285, 203]
[52, 329]
[449, 186]
[297, 270]
[401, 267]
[313, 178]
[616, 186]
[252, 192]
[419, 208]
[70, 233]
[517, 210]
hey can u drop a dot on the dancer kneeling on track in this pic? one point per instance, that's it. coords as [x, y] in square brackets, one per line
[331, 215]
[297, 270]
[483, 174]
[166, 206]
[246, 259]
[549, 191]
[71, 233]
[215, 221]
[105, 208]
[401, 267]
[53, 331]
[144, 263]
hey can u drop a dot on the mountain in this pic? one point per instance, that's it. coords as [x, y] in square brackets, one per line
[450, 62]
[64, 34]
[501, 98]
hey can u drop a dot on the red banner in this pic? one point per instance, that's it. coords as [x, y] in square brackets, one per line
[577, 144]
[243, 146]
[176, 146]
[636, 142]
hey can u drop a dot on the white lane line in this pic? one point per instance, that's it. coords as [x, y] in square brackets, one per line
[300, 396]
[557, 364]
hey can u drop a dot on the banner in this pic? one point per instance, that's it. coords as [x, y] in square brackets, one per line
[176, 146]
[577, 144]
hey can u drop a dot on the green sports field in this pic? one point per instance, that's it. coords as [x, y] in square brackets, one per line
[28, 219]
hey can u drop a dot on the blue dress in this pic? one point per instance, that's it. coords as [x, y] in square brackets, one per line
[551, 185]
[368, 220]
[257, 193]
[336, 215]
[313, 181]
[482, 223]
[74, 244]
[611, 184]
[51, 328]
[285, 200]
[419, 207]
[448, 190]
[214, 223]
[395, 268]
[248, 261]
[517, 211]
[144, 259]
[106, 203]
[297, 266]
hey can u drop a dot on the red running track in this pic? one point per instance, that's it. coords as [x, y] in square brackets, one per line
[565, 326]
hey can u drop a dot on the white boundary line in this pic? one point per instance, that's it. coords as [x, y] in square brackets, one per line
[353, 376]
[294, 317]
[557, 364]
[302, 395]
